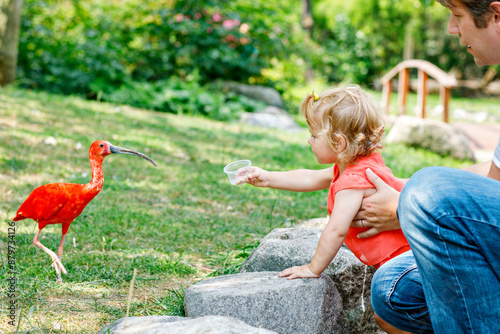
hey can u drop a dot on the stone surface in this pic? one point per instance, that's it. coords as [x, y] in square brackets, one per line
[265, 94]
[283, 248]
[286, 247]
[436, 136]
[176, 325]
[271, 117]
[313, 223]
[265, 300]
[149, 324]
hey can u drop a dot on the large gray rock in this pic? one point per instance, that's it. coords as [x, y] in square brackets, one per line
[287, 247]
[283, 248]
[314, 223]
[149, 324]
[433, 135]
[271, 117]
[265, 94]
[176, 325]
[268, 301]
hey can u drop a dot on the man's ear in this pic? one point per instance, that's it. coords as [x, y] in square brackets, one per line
[495, 19]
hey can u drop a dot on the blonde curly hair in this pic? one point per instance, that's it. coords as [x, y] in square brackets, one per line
[348, 113]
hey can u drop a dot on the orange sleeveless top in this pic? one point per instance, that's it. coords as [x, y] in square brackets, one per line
[386, 245]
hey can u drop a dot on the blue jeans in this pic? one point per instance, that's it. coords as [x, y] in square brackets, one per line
[451, 219]
[398, 296]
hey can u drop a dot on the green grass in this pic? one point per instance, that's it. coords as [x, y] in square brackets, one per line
[177, 223]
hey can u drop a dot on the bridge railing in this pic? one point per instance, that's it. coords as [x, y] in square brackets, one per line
[425, 69]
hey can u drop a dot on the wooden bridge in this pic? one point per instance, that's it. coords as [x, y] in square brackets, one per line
[425, 69]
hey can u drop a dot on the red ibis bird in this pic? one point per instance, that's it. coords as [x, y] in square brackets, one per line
[61, 203]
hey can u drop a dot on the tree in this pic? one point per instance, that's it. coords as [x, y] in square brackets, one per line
[307, 25]
[10, 21]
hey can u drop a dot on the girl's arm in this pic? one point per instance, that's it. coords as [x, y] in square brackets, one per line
[347, 203]
[299, 180]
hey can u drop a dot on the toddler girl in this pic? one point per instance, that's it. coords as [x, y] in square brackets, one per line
[346, 129]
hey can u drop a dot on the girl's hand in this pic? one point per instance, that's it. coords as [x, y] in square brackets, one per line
[298, 272]
[258, 177]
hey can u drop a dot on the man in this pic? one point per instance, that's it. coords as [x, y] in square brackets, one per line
[450, 281]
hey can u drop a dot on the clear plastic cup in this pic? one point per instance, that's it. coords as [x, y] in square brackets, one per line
[237, 171]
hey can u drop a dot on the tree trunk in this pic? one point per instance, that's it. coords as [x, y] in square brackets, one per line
[307, 25]
[307, 18]
[10, 23]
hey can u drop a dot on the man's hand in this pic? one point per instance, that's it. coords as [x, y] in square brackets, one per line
[298, 272]
[378, 211]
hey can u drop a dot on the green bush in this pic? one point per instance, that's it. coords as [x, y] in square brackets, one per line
[72, 47]
[361, 40]
[88, 47]
[93, 47]
[183, 97]
[348, 55]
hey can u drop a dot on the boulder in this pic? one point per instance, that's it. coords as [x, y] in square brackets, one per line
[265, 94]
[283, 248]
[286, 247]
[432, 135]
[493, 88]
[149, 324]
[175, 325]
[265, 300]
[314, 223]
[271, 117]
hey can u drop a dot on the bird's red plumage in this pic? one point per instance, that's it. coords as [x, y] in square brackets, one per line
[56, 203]
[61, 203]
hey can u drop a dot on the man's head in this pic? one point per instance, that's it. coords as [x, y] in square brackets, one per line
[479, 9]
[477, 23]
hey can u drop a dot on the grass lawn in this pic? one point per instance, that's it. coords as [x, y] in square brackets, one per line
[177, 223]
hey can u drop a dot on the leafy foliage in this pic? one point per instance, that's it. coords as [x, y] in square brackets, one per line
[362, 40]
[86, 47]
[108, 49]
[184, 97]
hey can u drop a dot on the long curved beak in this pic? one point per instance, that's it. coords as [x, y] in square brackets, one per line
[121, 150]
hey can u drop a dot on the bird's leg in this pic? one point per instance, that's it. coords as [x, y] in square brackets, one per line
[57, 262]
[59, 254]
[60, 249]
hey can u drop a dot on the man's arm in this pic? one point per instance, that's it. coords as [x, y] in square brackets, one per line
[494, 172]
[480, 169]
